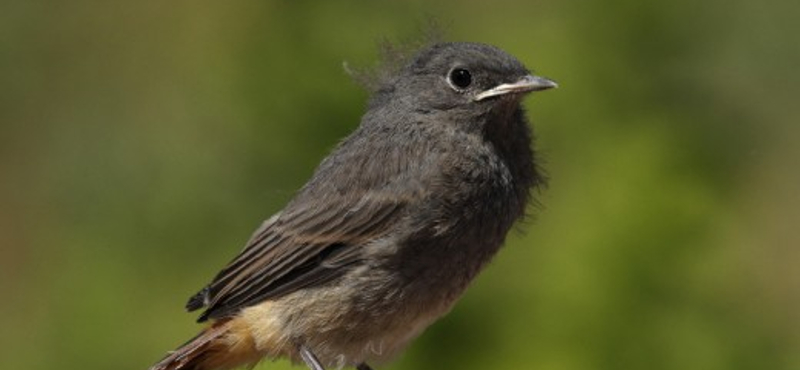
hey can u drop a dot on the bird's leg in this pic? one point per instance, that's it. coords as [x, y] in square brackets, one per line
[310, 359]
[363, 366]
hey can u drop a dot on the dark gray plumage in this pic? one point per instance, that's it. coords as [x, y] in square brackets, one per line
[391, 228]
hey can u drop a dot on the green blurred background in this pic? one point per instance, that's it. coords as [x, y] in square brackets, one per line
[142, 142]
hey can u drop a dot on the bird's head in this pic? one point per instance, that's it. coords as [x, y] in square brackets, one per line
[472, 76]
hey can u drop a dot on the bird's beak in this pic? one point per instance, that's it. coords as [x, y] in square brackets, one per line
[523, 85]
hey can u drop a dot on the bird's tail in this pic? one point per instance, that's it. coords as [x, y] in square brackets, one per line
[218, 347]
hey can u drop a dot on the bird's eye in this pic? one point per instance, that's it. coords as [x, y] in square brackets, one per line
[460, 78]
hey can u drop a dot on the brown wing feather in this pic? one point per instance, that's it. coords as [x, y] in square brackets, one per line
[297, 248]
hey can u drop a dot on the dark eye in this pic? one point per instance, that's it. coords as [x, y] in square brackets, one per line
[460, 78]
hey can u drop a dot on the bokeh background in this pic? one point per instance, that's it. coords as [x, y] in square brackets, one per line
[141, 143]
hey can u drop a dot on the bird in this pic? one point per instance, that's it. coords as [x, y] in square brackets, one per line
[391, 228]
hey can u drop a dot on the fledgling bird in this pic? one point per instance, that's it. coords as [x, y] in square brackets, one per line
[390, 230]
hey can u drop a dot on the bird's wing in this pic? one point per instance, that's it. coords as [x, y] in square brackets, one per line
[305, 245]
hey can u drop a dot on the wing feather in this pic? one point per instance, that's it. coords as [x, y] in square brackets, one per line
[298, 248]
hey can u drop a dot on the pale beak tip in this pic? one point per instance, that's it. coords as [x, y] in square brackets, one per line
[541, 83]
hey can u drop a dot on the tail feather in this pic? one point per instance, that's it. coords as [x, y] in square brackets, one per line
[217, 347]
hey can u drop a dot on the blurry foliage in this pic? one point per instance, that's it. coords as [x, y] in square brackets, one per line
[141, 143]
